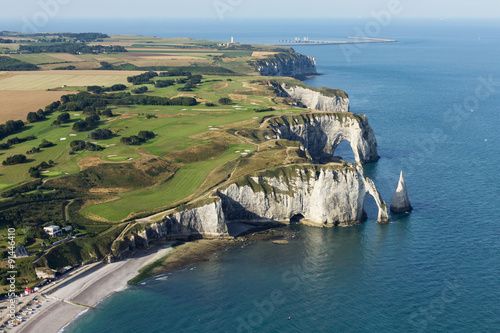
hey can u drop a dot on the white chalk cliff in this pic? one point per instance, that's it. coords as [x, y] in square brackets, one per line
[322, 195]
[321, 133]
[400, 202]
[315, 100]
[330, 195]
[287, 64]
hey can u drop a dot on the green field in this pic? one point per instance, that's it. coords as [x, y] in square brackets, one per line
[37, 59]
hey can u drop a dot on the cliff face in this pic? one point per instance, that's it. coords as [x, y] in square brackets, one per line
[205, 221]
[321, 195]
[325, 196]
[315, 100]
[287, 64]
[321, 134]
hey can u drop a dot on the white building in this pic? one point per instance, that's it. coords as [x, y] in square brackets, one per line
[53, 230]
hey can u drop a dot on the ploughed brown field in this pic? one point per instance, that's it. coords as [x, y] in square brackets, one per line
[15, 105]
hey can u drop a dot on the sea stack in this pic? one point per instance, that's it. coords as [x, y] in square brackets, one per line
[400, 202]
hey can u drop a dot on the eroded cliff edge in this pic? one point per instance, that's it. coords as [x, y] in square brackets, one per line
[321, 133]
[324, 196]
[294, 188]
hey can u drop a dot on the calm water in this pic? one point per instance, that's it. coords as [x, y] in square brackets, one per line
[436, 269]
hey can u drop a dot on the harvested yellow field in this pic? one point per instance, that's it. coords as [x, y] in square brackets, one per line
[262, 54]
[43, 80]
[168, 61]
[16, 104]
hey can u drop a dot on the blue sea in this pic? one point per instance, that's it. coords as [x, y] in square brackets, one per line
[433, 100]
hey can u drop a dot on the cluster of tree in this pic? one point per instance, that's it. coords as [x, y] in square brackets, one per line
[15, 159]
[35, 171]
[191, 82]
[142, 137]
[100, 90]
[208, 104]
[73, 48]
[175, 72]
[52, 107]
[5, 41]
[142, 78]
[78, 145]
[164, 83]
[10, 127]
[140, 90]
[33, 210]
[27, 187]
[81, 100]
[100, 134]
[65, 68]
[62, 118]
[225, 101]
[33, 117]
[11, 64]
[85, 36]
[264, 110]
[33, 150]
[15, 141]
[44, 144]
[82, 125]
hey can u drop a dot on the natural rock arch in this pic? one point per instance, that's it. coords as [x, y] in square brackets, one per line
[321, 133]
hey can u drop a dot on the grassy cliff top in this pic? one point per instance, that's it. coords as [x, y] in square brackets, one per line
[290, 82]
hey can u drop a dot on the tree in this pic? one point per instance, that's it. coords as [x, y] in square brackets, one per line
[80, 126]
[32, 117]
[63, 118]
[118, 87]
[140, 90]
[95, 89]
[45, 144]
[100, 134]
[225, 101]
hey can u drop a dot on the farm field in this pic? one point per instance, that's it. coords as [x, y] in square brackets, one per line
[43, 80]
[16, 104]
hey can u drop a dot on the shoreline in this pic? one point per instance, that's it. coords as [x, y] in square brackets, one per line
[61, 307]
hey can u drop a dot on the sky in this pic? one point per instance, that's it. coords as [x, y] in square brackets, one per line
[236, 9]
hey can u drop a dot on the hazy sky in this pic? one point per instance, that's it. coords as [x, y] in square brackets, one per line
[231, 9]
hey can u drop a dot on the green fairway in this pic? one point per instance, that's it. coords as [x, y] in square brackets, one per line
[185, 183]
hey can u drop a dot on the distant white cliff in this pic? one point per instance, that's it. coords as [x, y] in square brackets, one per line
[287, 64]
